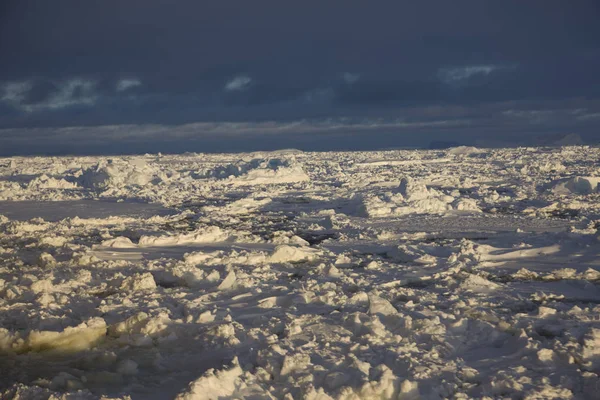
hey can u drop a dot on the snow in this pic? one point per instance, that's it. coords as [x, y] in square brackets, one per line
[460, 273]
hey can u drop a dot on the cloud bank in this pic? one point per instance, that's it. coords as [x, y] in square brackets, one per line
[209, 63]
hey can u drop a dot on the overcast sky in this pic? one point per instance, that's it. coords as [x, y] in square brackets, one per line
[294, 74]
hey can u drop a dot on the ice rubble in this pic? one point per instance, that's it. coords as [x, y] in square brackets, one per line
[412, 197]
[259, 171]
[116, 173]
[463, 273]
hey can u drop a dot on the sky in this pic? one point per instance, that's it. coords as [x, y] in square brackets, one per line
[90, 77]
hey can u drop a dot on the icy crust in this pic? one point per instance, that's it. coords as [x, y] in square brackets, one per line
[462, 273]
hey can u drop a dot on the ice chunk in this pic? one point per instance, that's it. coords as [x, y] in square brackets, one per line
[412, 189]
[72, 339]
[476, 283]
[466, 205]
[378, 305]
[228, 282]
[46, 260]
[215, 384]
[287, 253]
[120, 242]
[296, 362]
[138, 282]
[140, 329]
[129, 325]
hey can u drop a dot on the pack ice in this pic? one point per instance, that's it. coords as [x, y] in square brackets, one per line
[463, 273]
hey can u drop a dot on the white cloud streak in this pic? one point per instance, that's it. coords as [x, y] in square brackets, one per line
[454, 75]
[72, 92]
[126, 84]
[15, 92]
[238, 83]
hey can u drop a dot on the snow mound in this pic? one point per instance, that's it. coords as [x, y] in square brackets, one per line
[214, 384]
[116, 174]
[287, 253]
[120, 242]
[138, 282]
[577, 185]
[412, 197]
[46, 182]
[232, 383]
[260, 171]
[211, 234]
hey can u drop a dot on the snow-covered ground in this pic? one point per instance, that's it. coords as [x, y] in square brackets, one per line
[461, 273]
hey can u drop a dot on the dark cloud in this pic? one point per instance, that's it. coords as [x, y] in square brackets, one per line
[155, 61]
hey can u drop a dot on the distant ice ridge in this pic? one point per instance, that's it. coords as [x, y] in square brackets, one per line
[464, 150]
[572, 139]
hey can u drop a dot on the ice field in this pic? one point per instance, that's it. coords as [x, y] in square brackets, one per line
[461, 273]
